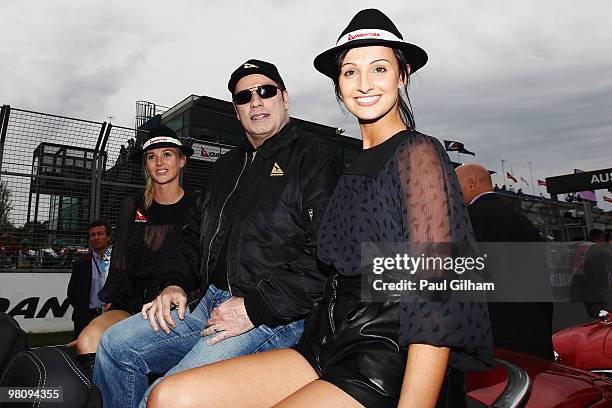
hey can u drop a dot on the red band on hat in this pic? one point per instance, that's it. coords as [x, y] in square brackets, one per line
[366, 34]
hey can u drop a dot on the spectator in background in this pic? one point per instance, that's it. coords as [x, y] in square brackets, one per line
[3, 258]
[9, 243]
[89, 274]
[496, 187]
[55, 257]
[25, 255]
[5, 253]
[592, 274]
[521, 326]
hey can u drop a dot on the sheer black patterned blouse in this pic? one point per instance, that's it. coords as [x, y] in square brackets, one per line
[405, 190]
[142, 242]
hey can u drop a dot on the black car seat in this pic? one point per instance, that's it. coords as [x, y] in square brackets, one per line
[12, 339]
[52, 366]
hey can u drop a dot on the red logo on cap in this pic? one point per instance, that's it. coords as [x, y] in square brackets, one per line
[360, 35]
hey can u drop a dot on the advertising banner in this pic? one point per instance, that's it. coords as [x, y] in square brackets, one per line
[207, 151]
[571, 183]
[37, 301]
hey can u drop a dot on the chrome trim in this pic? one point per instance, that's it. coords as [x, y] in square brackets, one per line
[332, 303]
[517, 389]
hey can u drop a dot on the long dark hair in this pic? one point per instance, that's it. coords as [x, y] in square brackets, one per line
[405, 107]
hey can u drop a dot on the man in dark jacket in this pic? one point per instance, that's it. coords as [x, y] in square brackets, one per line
[250, 246]
[88, 275]
[521, 326]
[592, 272]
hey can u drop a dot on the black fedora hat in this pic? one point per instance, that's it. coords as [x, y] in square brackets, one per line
[162, 136]
[370, 27]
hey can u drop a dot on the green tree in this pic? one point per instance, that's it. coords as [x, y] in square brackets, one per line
[6, 205]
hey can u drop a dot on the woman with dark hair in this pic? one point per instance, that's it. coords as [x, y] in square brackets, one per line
[143, 238]
[401, 189]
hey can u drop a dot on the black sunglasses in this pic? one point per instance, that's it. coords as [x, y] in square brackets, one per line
[263, 91]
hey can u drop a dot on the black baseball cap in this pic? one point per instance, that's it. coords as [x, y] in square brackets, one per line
[251, 67]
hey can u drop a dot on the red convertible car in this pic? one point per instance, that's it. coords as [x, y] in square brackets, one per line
[520, 380]
[587, 346]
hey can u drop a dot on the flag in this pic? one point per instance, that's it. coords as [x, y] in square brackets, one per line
[608, 199]
[524, 181]
[452, 146]
[541, 182]
[585, 195]
[511, 177]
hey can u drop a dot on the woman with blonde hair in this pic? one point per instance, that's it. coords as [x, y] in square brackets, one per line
[144, 237]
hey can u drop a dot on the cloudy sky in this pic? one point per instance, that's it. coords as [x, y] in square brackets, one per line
[524, 81]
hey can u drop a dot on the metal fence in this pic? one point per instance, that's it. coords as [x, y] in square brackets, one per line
[57, 174]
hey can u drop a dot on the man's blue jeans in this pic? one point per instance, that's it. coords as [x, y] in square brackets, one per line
[130, 350]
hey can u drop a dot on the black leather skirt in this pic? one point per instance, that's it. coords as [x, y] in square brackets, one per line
[354, 345]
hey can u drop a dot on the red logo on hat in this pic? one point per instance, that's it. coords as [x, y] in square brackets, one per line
[140, 217]
[361, 35]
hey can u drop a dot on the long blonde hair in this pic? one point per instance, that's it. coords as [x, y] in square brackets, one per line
[149, 193]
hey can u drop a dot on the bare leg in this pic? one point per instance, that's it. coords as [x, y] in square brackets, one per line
[319, 393]
[257, 380]
[90, 336]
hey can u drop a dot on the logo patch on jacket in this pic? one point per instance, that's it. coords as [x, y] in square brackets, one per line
[140, 217]
[276, 170]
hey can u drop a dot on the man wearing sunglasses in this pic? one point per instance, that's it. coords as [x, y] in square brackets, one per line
[250, 246]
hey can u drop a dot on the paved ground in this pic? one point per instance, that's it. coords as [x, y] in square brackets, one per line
[48, 339]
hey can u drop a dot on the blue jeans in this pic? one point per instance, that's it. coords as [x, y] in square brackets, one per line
[130, 350]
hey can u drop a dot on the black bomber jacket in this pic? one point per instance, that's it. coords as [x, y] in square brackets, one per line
[281, 189]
